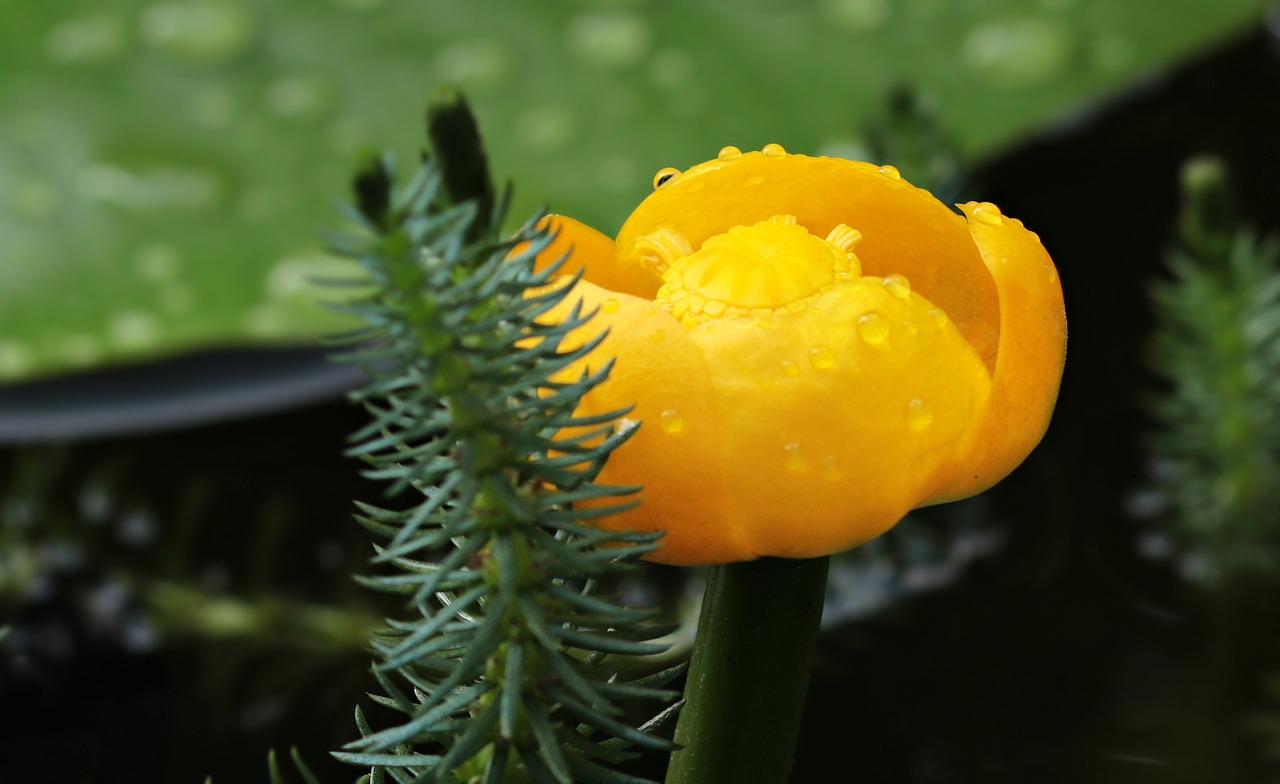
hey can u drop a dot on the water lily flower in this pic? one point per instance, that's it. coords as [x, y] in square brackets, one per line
[814, 347]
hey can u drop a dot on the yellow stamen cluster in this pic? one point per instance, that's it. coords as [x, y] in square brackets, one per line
[770, 267]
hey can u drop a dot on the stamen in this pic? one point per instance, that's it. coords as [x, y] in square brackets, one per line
[661, 248]
[783, 220]
[844, 237]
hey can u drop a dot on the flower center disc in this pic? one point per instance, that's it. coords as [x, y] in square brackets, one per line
[764, 268]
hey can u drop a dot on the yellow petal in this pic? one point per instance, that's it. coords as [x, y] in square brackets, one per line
[1032, 349]
[595, 254]
[904, 229]
[836, 421]
[661, 376]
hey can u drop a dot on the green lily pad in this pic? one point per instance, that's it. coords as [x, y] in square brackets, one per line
[165, 166]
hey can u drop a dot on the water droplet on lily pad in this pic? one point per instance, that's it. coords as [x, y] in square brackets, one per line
[203, 32]
[609, 39]
[93, 39]
[1019, 52]
[859, 16]
[156, 188]
[15, 359]
[134, 329]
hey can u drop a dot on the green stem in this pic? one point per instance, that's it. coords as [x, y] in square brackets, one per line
[750, 672]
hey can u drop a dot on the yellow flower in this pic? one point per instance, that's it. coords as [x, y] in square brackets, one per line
[814, 347]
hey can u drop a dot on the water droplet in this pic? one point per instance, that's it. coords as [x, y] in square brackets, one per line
[157, 262]
[610, 306]
[546, 128]
[939, 317]
[96, 38]
[155, 188]
[859, 16]
[790, 369]
[473, 65]
[298, 96]
[919, 415]
[1019, 52]
[79, 349]
[663, 176]
[32, 199]
[671, 422]
[205, 32]
[988, 213]
[897, 285]
[15, 359]
[793, 458]
[873, 328]
[891, 172]
[831, 469]
[133, 329]
[773, 150]
[609, 39]
[729, 153]
[822, 357]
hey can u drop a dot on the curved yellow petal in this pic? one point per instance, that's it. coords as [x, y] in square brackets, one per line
[836, 421]
[593, 253]
[660, 374]
[904, 229]
[1032, 349]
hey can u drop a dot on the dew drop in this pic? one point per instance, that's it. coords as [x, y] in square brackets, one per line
[891, 172]
[939, 317]
[208, 32]
[822, 357]
[773, 150]
[729, 153]
[663, 175]
[133, 329]
[988, 213]
[790, 369]
[96, 38]
[919, 415]
[1019, 52]
[671, 422]
[897, 285]
[873, 328]
[609, 39]
[610, 306]
[831, 469]
[793, 458]
[15, 359]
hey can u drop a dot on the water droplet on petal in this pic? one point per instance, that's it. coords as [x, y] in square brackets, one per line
[790, 369]
[663, 176]
[671, 422]
[793, 458]
[897, 285]
[822, 357]
[610, 306]
[831, 469]
[205, 32]
[988, 213]
[873, 328]
[729, 153]
[919, 415]
[891, 172]
[939, 317]
[773, 150]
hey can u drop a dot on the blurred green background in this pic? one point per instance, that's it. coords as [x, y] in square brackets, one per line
[165, 166]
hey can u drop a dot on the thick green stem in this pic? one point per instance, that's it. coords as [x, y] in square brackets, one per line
[750, 672]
